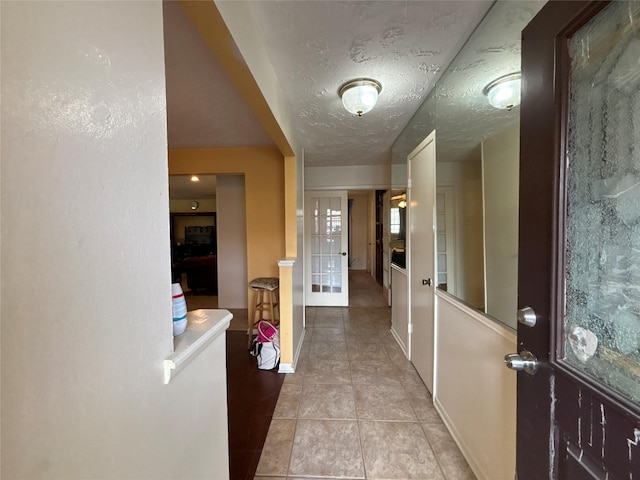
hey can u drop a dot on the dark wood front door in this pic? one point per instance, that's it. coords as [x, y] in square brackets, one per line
[579, 268]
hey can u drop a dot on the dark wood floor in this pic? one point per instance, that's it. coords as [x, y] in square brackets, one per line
[251, 398]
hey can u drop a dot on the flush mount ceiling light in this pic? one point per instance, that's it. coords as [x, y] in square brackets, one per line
[504, 92]
[360, 96]
[194, 178]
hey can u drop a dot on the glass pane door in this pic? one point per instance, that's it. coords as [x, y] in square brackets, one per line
[326, 240]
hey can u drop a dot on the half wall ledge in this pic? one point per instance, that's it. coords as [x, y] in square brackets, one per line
[203, 327]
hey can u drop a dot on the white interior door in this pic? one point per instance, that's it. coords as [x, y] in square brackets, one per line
[327, 270]
[421, 192]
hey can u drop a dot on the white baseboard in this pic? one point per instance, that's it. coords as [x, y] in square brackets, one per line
[402, 346]
[291, 367]
[464, 449]
[286, 368]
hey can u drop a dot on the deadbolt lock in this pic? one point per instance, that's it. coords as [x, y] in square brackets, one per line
[526, 316]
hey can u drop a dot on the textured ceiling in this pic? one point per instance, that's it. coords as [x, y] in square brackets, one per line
[458, 108]
[316, 46]
[465, 117]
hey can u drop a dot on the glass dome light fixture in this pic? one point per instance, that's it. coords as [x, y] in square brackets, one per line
[360, 96]
[504, 92]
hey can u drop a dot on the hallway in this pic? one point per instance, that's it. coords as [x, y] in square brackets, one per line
[356, 408]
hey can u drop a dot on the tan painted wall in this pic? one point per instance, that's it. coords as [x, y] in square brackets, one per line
[469, 346]
[346, 178]
[467, 179]
[500, 177]
[86, 284]
[232, 242]
[229, 28]
[359, 219]
[263, 170]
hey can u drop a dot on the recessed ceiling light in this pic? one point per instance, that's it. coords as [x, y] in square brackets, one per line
[194, 178]
[360, 96]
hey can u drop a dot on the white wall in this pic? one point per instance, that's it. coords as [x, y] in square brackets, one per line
[351, 177]
[85, 299]
[475, 392]
[232, 242]
[371, 234]
[359, 219]
[501, 178]
[467, 178]
[400, 308]
[386, 245]
[298, 267]
[399, 175]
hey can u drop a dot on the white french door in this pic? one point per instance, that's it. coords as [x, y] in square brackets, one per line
[326, 261]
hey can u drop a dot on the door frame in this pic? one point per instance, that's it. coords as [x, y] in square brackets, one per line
[426, 366]
[338, 300]
[379, 235]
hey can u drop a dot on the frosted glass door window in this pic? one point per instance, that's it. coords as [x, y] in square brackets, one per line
[602, 226]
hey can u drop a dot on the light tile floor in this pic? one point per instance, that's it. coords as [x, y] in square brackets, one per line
[356, 408]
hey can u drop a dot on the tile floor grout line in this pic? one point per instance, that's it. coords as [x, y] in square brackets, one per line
[404, 385]
[293, 441]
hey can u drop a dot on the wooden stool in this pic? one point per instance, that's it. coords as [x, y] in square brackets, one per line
[265, 297]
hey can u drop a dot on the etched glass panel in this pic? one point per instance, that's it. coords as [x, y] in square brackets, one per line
[336, 244]
[337, 263]
[336, 224]
[315, 283]
[336, 208]
[326, 264]
[602, 289]
[337, 284]
[326, 242]
[324, 206]
[326, 245]
[325, 225]
[326, 287]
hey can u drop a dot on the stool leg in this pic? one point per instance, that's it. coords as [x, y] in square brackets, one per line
[259, 306]
[271, 302]
[252, 317]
